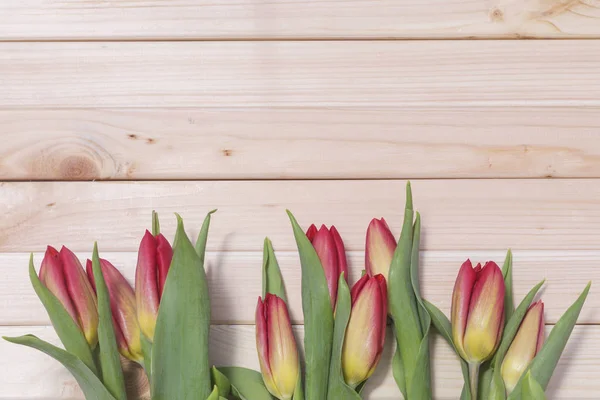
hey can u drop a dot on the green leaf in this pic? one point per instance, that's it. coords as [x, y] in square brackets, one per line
[90, 384]
[67, 330]
[496, 390]
[444, 327]
[545, 361]
[419, 382]
[180, 367]
[531, 389]
[402, 299]
[221, 382]
[338, 389]
[147, 353]
[509, 305]
[202, 236]
[318, 316]
[155, 224]
[485, 379]
[214, 395]
[246, 384]
[272, 280]
[398, 371]
[110, 360]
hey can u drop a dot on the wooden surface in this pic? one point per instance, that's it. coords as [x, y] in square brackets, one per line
[322, 107]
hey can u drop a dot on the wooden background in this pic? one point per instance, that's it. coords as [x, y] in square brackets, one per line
[323, 107]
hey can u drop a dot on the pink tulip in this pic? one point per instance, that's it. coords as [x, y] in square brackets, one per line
[380, 247]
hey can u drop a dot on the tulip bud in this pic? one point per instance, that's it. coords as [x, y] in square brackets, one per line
[64, 276]
[330, 248]
[380, 248]
[154, 260]
[524, 347]
[478, 311]
[122, 307]
[276, 346]
[365, 333]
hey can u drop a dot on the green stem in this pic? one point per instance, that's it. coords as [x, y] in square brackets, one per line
[155, 224]
[474, 379]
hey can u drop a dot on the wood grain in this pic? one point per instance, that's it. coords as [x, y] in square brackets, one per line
[273, 143]
[457, 214]
[38, 377]
[230, 271]
[288, 19]
[304, 73]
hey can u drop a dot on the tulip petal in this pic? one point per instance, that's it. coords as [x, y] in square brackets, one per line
[486, 314]
[82, 295]
[461, 297]
[379, 248]
[262, 346]
[311, 232]
[164, 255]
[341, 254]
[326, 250]
[52, 276]
[146, 285]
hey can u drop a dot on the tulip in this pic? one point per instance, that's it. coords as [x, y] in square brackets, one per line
[154, 260]
[330, 248]
[524, 347]
[380, 247]
[64, 276]
[477, 314]
[122, 306]
[277, 353]
[365, 333]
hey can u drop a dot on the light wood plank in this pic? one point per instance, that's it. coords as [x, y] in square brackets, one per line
[230, 271]
[251, 19]
[305, 73]
[29, 374]
[457, 214]
[247, 143]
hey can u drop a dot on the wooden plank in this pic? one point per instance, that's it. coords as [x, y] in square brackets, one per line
[458, 214]
[273, 143]
[305, 73]
[229, 271]
[259, 19]
[29, 374]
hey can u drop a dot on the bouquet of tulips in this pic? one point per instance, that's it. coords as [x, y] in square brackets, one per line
[163, 325]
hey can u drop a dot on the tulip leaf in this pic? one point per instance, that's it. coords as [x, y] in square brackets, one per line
[338, 389]
[531, 389]
[419, 383]
[398, 372]
[496, 389]
[110, 361]
[68, 331]
[509, 302]
[203, 237]
[318, 316]
[220, 381]
[444, 327]
[246, 384]
[91, 386]
[272, 280]
[545, 361]
[155, 224]
[214, 395]
[402, 299]
[180, 367]
[147, 353]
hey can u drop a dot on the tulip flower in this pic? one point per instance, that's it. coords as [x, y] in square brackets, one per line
[276, 346]
[64, 276]
[477, 314]
[122, 307]
[154, 260]
[380, 248]
[524, 347]
[330, 248]
[365, 333]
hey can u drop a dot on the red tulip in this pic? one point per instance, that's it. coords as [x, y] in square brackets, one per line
[380, 247]
[122, 306]
[277, 353]
[330, 248]
[64, 276]
[365, 334]
[154, 260]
